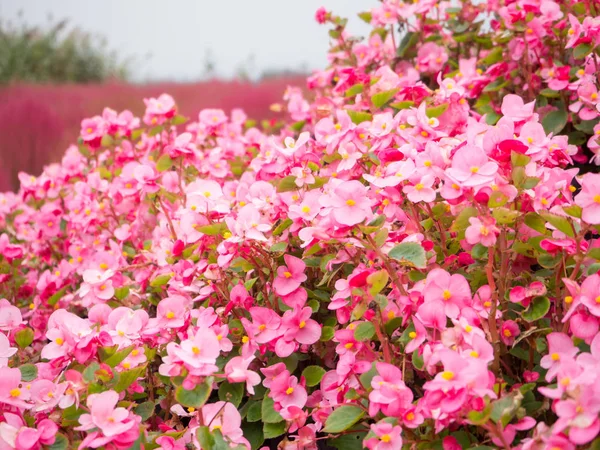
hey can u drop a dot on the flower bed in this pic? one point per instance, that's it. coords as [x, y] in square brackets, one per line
[408, 260]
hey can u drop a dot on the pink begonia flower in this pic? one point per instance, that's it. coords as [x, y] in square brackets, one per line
[308, 207]
[590, 292]
[249, 224]
[421, 189]
[389, 394]
[212, 117]
[271, 373]
[432, 315]
[452, 290]
[11, 391]
[225, 417]
[10, 316]
[14, 433]
[589, 198]
[286, 391]
[6, 351]
[300, 327]
[170, 443]
[199, 353]
[509, 331]
[417, 337]
[237, 371]
[482, 231]
[292, 146]
[471, 167]
[561, 350]
[510, 431]
[265, 324]
[349, 203]
[46, 395]
[172, 311]
[574, 32]
[291, 276]
[515, 109]
[388, 437]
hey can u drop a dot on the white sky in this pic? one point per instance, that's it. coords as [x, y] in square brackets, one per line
[169, 38]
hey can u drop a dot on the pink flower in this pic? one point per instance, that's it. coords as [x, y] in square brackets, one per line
[561, 350]
[389, 393]
[509, 331]
[471, 167]
[452, 290]
[388, 437]
[172, 312]
[11, 392]
[482, 231]
[6, 351]
[237, 372]
[349, 202]
[514, 108]
[224, 417]
[289, 277]
[300, 327]
[104, 415]
[421, 189]
[589, 198]
[286, 391]
[10, 316]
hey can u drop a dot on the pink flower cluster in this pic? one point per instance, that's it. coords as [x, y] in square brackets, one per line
[409, 259]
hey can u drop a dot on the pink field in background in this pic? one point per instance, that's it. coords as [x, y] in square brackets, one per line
[37, 123]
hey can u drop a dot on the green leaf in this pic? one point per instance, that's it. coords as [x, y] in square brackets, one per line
[462, 220]
[350, 441]
[213, 229]
[122, 292]
[519, 159]
[287, 184]
[538, 308]
[535, 222]
[278, 248]
[115, 359]
[24, 337]
[497, 199]
[494, 56]
[402, 105]
[279, 229]
[555, 121]
[366, 16]
[29, 372]
[107, 140]
[573, 211]
[480, 417]
[127, 378]
[60, 442]
[327, 333]
[197, 397]
[231, 392]
[496, 85]
[160, 280]
[380, 99]
[377, 281]
[269, 415]
[164, 163]
[354, 90]
[505, 216]
[254, 433]
[531, 182]
[179, 120]
[89, 372]
[57, 296]
[359, 117]
[145, 410]
[550, 93]
[272, 430]
[561, 223]
[581, 51]
[409, 253]
[343, 418]
[364, 331]
[254, 412]
[504, 410]
[313, 375]
[409, 40]
[437, 111]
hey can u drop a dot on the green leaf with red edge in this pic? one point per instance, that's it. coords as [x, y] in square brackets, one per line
[409, 253]
[377, 281]
[559, 222]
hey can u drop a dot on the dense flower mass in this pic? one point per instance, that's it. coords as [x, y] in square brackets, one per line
[409, 258]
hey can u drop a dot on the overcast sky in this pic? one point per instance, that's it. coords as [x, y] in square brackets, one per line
[169, 39]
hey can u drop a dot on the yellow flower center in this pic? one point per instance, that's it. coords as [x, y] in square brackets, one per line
[568, 299]
[349, 345]
[350, 202]
[484, 231]
[245, 339]
[419, 186]
[262, 327]
[170, 315]
[424, 133]
[59, 341]
[195, 350]
[302, 324]
[412, 335]
[427, 163]
[565, 381]
[468, 328]
[447, 294]
[391, 314]
[487, 304]
[447, 375]
[410, 416]
[287, 274]
[507, 333]
[306, 209]
[135, 352]
[555, 356]
[386, 438]
[598, 299]
[126, 365]
[103, 266]
[474, 169]
[15, 392]
[597, 198]
[289, 390]
[474, 354]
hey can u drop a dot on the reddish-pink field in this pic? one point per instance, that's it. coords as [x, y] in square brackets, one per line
[37, 123]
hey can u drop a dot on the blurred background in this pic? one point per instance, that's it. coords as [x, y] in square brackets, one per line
[63, 60]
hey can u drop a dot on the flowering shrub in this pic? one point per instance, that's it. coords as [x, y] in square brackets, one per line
[408, 260]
